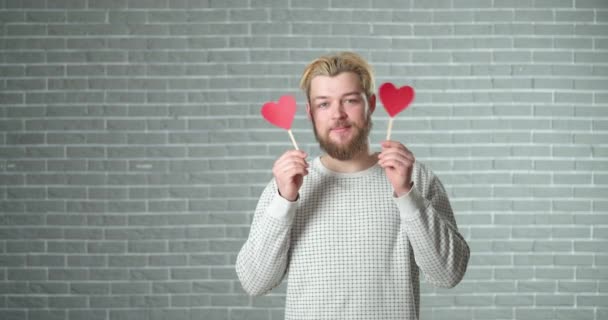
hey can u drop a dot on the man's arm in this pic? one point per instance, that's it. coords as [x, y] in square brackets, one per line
[439, 249]
[262, 262]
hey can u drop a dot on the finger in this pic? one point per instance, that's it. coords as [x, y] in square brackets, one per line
[395, 163]
[287, 165]
[294, 171]
[396, 152]
[387, 166]
[294, 153]
[399, 147]
[401, 160]
[287, 178]
[289, 171]
[291, 161]
[391, 144]
[291, 154]
[403, 151]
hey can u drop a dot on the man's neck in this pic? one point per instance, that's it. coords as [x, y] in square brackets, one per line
[359, 162]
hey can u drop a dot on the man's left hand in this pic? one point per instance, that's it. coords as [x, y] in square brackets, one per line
[398, 163]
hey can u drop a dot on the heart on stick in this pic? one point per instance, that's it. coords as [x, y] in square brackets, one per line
[281, 114]
[395, 100]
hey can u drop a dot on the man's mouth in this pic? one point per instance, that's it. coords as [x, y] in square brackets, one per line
[340, 129]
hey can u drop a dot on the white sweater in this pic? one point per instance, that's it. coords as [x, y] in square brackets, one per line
[350, 248]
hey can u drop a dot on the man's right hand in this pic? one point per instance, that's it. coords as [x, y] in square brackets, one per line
[289, 171]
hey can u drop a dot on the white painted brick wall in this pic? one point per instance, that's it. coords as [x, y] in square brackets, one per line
[132, 151]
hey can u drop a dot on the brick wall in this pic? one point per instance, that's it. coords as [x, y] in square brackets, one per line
[133, 152]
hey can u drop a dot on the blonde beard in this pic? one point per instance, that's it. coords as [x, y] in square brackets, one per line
[358, 143]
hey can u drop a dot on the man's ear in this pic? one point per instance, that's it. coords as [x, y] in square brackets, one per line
[372, 103]
[308, 111]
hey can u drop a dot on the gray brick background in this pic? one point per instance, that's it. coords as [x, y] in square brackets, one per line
[132, 150]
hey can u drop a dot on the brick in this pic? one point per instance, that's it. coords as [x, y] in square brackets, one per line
[108, 302]
[103, 274]
[590, 273]
[591, 300]
[576, 286]
[26, 193]
[130, 288]
[26, 274]
[583, 232]
[190, 301]
[44, 260]
[455, 314]
[106, 247]
[494, 313]
[13, 260]
[65, 274]
[65, 247]
[20, 219]
[86, 261]
[574, 314]
[47, 314]
[535, 313]
[66, 193]
[11, 16]
[151, 301]
[67, 302]
[44, 206]
[171, 287]
[147, 246]
[148, 274]
[89, 288]
[86, 206]
[86, 314]
[167, 260]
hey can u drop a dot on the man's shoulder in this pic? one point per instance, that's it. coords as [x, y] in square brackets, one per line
[423, 176]
[421, 168]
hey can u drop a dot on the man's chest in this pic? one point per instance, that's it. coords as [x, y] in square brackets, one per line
[343, 221]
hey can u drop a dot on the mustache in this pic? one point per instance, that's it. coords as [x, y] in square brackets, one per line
[341, 124]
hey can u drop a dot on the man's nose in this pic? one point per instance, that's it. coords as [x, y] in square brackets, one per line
[338, 110]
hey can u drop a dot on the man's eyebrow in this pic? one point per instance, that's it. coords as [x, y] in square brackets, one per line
[351, 93]
[344, 95]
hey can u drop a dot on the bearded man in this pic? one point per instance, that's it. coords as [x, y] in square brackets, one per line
[353, 230]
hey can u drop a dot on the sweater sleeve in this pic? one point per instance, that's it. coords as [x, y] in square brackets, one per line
[262, 262]
[428, 221]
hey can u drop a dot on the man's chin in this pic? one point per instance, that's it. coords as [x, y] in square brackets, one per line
[338, 150]
[343, 145]
[340, 142]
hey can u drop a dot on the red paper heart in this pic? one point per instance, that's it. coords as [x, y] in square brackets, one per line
[393, 100]
[280, 114]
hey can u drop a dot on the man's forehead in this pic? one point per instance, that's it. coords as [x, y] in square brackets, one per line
[345, 83]
[353, 93]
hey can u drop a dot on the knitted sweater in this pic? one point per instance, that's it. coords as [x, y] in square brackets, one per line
[350, 248]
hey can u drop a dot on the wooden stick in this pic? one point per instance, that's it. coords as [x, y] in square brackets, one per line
[390, 127]
[293, 140]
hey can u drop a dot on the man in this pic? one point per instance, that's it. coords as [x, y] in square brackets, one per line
[353, 229]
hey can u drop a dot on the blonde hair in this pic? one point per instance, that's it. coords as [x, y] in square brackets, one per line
[334, 64]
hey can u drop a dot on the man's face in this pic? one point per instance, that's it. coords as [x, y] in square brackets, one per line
[341, 114]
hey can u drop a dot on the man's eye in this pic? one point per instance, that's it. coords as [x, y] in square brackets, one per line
[352, 101]
[323, 105]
